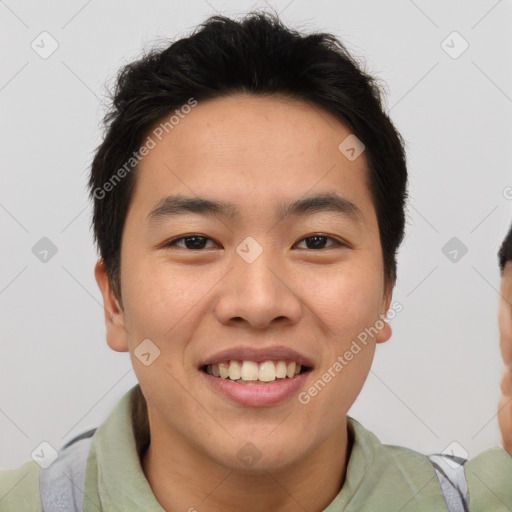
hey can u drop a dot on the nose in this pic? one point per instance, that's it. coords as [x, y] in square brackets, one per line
[259, 294]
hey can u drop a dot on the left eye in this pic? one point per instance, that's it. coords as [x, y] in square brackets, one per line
[318, 241]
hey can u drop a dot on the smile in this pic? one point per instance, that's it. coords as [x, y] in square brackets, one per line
[252, 372]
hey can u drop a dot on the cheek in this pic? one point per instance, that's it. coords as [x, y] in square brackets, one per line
[505, 325]
[330, 396]
[159, 296]
[505, 422]
[349, 302]
[162, 304]
[349, 308]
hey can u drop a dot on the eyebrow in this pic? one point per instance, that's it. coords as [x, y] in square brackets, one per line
[174, 205]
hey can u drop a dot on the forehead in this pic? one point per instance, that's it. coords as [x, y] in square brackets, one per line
[246, 146]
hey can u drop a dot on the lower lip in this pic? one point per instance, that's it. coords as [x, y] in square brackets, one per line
[258, 395]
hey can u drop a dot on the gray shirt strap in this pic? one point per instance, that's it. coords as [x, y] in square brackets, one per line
[61, 485]
[452, 480]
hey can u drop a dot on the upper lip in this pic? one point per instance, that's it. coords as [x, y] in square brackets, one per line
[275, 353]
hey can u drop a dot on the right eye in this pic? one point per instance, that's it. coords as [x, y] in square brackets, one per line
[192, 242]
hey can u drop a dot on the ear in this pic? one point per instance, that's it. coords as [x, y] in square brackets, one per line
[385, 333]
[114, 314]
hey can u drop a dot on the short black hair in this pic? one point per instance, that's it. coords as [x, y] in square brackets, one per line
[260, 56]
[505, 252]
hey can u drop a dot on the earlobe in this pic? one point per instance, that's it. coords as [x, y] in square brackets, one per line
[114, 314]
[385, 333]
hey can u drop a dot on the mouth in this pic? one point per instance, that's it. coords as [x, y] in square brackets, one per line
[259, 377]
[255, 372]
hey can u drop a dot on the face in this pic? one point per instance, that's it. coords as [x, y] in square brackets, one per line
[505, 325]
[505, 314]
[255, 286]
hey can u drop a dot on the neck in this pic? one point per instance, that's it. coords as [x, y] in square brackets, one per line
[181, 478]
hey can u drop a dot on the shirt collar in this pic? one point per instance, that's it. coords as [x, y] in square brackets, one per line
[374, 472]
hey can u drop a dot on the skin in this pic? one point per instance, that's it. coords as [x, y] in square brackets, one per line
[505, 325]
[255, 152]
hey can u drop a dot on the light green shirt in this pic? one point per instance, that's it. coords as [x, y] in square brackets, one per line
[379, 477]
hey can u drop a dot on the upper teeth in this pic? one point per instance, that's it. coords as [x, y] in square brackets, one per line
[266, 371]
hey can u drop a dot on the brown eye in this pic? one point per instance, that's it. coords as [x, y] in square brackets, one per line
[319, 242]
[192, 242]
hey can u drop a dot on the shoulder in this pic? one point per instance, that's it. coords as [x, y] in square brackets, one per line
[19, 489]
[489, 477]
[402, 478]
[400, 455]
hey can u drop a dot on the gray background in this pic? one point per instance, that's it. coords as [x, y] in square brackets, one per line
[436, 381]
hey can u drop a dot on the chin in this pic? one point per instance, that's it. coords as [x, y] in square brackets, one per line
[259, 454]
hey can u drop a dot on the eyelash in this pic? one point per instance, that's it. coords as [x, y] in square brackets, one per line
[174, 241]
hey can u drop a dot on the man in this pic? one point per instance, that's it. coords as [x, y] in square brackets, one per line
[505, 323]
[248, 205]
